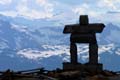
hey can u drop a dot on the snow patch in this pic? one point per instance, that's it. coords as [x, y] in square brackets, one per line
[19, 28]
[61, 51]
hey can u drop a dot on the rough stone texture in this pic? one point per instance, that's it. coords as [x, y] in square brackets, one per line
[83, 33]
[83, 67]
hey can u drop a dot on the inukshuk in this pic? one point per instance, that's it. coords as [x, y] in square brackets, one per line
[84, 32]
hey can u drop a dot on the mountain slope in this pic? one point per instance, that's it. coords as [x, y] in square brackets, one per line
[22, 47]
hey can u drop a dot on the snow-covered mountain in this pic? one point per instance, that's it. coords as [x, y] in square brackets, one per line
[26, 46]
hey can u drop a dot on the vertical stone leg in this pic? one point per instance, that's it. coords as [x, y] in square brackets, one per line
[73, 53]
[93, 53]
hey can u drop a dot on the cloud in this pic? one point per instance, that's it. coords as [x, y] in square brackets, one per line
[81, 9]
[65, 13]
[45, 3]
[87, 9]
[48, 7]
[5, 2]
[98, 11]
[23, 9]
[109, 4]
[31, 13]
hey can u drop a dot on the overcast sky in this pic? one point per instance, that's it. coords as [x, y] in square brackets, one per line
[62, 10]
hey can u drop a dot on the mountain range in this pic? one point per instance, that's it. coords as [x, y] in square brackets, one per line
[28, 44]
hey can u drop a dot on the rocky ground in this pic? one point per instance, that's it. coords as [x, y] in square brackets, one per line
[60, 75]
[85, 75]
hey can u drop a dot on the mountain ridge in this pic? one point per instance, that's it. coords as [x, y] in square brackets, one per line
[21, 46]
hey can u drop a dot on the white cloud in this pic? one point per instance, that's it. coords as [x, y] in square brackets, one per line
[47, 5]
[79, 10]
[109, 4]
[65, 13]
[85, 9]
[98, 12]
[23, 10]
[5, 2]
[82, 9]
[31, 13]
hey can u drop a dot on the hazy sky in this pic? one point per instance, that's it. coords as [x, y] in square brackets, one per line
[62, 10]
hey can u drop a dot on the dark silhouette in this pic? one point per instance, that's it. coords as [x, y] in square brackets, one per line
[84, 33]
